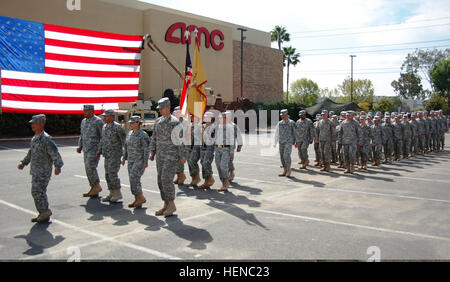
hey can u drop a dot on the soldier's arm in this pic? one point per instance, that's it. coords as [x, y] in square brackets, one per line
[238, 136]
[80, 140]
[27, 158]
[53, 152]
[122, 136]
[125, 152]
[102, 140]
[333, 132]
[153, 142]
[146, 146]
[277, 133]
[312, 132]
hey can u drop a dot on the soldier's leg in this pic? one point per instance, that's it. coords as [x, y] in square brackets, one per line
[287, 155]
[352, 153]
[159, 168]
[39, 192]
[135, 171]
[90, 165]
[194, 157]
[167, 174]
[218, 155]
[282, 149]
[304, 151]
[231, 164]
[327, 152]
[112, 167]
[317, 151]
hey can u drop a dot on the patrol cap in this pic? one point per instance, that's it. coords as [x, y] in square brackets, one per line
[324, 112]
[283, 112]
[209, 115]
[177, 108]
[343, 113]
[88, 107]
[302, 112]
[350, 112]
[331, 112]
[163, 102]
[108, 113]
[376, 118]
[363, 117]
[37, 118]
[405, 116]
[134, 119]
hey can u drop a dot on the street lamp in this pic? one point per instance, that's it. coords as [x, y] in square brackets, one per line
[351, 79]
[242, 56]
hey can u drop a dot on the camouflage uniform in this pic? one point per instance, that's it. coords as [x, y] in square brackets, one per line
[388, 142]
[168, 153]
[238, 140]
[43, 154]
[366, 136]
[398, 130]
[305, 134]
[316, 145]
[407, 136]
[349, 136]
[207, 152]
[443, 128]
[427, 122]
[111, 147]
[137, 153]
[91, 134]
[377, 140]
[434, 133]
[421, 133]
[195, 149]
[225, 145]
[414, 136]
[186, 147]
[285, 137]
[325, 134]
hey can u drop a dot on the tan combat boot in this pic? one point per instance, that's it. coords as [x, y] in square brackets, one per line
[161, 211]
[231, 175]
[44, 217]
[181, 178]
[208, 183]
[288, 171]
[195, 180]
[317, 163]
[352, 169]
[303, 165]
[176, 179]
[328, 168]
[284, 172]
[116, 196]
[324, 168]
[94, 191]
[140, 199]
[225, 185]
[108, 198]
[171, 208]
[348, 169]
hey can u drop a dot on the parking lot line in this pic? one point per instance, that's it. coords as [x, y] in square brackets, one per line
[95, 234]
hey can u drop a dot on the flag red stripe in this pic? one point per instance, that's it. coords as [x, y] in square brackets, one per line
[66, 100]
[83, 73]
[90, 60]
[88, 46]
[71, 86]
[51, 112]
[85, 32]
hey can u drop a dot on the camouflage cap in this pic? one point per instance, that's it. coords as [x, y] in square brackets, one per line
[134, 119]
[37, 118]
[177, 108]
[283, 112]
[302, 112]
[88, 107]
[363, 117]
[108, 113]
[324, 112]
[405, 116]
[376, 118]
[163, 102]
[350, 112]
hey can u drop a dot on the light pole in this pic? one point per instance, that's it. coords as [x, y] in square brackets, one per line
[242, 57]
[351, 79]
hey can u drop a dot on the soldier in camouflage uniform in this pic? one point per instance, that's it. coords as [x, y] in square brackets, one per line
[224, 148]
[443, 129]
[421, 131]
[377, 140]
[435, 128]
[238, 143]
[349, 136]
[91, 133]
[369, 122]
[414, 135]
[195, 151]
[407, 136]
[166, 145]
[111, 147]
[427, 123]
[180, 176]
[305, 133]
[325, 134]
[399, 132]
[207, 152]
[285, 137]
[137, 154]
[388, 141]
[366, 137]
[42, 155]
[316, 144]
[334, 157]
[340, 150]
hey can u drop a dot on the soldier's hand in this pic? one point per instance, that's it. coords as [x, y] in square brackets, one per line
[57, 171]
[296, 145]
[98, 155]
[181, 161]
[152, 158]
[20, 166]
[79, 150]
[145, 166]
[123, 162]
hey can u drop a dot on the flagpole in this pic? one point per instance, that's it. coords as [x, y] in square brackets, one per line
[150, 41]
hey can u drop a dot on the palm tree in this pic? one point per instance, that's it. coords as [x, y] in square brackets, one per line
[291, 58]
[280, 35]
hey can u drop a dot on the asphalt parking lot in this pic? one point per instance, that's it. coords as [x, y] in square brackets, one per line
[399, 211]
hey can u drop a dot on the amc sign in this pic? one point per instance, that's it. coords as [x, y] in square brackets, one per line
[213, 39]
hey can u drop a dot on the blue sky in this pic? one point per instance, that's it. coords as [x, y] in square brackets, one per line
[370, 22]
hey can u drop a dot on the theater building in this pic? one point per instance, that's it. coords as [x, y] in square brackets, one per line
[220, 44]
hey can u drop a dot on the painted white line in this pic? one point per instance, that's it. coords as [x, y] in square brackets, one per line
[94, 234]
[104, 181]
[379, 229]
[423, 179]
[12, 149]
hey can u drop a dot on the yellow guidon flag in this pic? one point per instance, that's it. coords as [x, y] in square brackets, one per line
[196, 100]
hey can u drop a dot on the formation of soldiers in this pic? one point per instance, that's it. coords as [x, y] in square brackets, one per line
[175, 140]
[355, 139]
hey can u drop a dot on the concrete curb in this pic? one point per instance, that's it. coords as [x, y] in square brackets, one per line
[28, 138]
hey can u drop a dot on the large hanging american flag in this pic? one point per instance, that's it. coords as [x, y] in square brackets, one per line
[55, 69]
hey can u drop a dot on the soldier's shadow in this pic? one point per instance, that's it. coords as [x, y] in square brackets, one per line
[121, 215]
[39, 239]
[307, 182]
[199, 238]
[248, 189]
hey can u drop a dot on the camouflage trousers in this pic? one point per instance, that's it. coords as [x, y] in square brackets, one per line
[428, 141]
[435, 140]
[180, 167]
[388, 148]
[231, 164]
[377, 151]
[398, 148]
[317, 151]
[334, 152]
[406, 147]
[442, 140]
[303, 151]
[39, 192]
[222, 156]
[135, 172]
[340, 153]
[422, 141]
[112, 167]
[285, 154]
[325, 151]
[207, 157]
[166, 169]
[415, 145]
[90, 166]
[349, 153]
[194, 157]
[363, 152]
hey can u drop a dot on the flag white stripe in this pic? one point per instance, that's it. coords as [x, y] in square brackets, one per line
[91, 40]
[54, 106]
[91, 53]
[68, 79]
[93, 67]
[68, 92]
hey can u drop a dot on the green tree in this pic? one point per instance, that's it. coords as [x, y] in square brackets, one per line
[290, 58]
[279, 34]
[398, 103]
[363, 91]
[383, 105]
[441, 79]
[436, 102]
[409, 85]
[304, 91]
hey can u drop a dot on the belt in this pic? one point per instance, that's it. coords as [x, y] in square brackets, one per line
[223, 146]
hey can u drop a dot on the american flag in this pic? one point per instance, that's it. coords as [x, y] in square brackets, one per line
[55, 69]
[187, 77]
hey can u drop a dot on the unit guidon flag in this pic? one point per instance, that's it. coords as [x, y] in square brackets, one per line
[55, 69]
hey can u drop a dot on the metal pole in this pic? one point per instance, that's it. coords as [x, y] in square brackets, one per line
[351, 79]
[242, 59]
